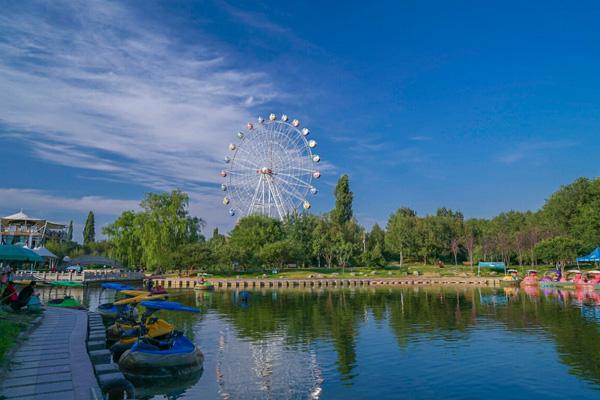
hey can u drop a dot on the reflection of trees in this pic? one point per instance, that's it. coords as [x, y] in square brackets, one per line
[301, 317]
[577, 339]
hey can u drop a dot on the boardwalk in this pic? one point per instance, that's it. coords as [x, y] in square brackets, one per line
[53, 362]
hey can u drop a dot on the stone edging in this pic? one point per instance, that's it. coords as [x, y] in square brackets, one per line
[110, 379]
[23, 335]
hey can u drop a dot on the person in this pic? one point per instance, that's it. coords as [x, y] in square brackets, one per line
[3, 279]
[23, 297]
[10, 293]
[149, 285]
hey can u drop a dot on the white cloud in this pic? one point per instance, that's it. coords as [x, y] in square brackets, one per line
[32, 199]
[100, 89]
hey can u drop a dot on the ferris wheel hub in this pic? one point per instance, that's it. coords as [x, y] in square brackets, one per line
[266, 171]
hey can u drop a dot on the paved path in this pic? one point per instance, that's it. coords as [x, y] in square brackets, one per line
[53, 362]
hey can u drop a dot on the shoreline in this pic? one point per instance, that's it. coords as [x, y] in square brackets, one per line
[188, 283]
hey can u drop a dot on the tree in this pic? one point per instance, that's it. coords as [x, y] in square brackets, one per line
[89, 231]
[559, 249]
[455, 246]
[323, 241]
[124, 236]
[250, 235]
[400, 232]
[376, 237]
[342, 213]
[70, 232]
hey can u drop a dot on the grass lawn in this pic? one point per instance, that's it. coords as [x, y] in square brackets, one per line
[389, 271]
[11, 324]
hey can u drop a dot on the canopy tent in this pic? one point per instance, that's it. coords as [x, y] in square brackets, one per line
[44, 252]
[95, 260]
[594, 256]
[9, 252]
[47, 255]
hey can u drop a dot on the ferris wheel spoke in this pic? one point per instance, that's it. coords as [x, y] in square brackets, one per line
[276, 196]
[294, 181]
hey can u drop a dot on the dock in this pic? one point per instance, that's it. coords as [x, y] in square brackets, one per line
[188, 282]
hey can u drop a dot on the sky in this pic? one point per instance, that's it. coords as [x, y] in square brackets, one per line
[478, 106]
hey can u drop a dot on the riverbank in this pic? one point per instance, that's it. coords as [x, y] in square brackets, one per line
[389, 272]
[11, 326]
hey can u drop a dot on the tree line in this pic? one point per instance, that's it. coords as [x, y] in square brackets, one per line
[164, 236]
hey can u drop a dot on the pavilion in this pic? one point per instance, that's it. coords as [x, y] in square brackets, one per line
[21, 229]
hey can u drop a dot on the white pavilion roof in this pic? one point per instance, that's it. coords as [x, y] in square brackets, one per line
[22, 217]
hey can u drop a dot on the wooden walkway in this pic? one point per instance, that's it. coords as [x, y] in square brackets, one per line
[185, 283]
[53, 362]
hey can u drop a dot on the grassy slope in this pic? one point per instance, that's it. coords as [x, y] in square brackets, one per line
[391, 271]
[11, 325]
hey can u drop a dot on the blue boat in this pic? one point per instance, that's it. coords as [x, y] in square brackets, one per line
[117, 286]
[173, 355]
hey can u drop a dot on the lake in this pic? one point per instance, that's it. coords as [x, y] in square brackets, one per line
[413, 343]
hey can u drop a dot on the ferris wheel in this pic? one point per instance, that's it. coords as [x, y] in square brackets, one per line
[270, 169]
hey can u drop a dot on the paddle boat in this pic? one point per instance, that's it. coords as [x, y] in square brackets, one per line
[110, 311]
[531, 279]
[65, 302]
[511, 278]
[205, 285]
[124, 322]
[172, 355]
[588, 279]
[65, 283]
[551, 279]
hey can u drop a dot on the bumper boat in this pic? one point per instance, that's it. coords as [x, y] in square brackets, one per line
[511, 279]
[173, 355]
[65, 302]
[204, 286]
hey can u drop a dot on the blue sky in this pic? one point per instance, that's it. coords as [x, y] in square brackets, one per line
[479, 106]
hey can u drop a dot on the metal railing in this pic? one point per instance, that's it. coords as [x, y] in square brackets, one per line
[85, 276]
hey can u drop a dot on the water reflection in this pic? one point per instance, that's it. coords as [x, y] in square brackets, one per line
[378, 342]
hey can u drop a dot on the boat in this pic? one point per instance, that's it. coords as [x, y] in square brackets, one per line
[110, 311]
[531, 279]
[65, 302]
[510, 280]
[125, 322]
[66, 283]
[173, 355]
[204, 286]
[154, 328]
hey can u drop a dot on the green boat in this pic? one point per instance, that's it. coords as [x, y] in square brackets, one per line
[66, 283]
[65, 302]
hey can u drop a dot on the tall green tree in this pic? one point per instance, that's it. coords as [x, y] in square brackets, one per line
[342, 213]
[89, 231]
[70, 231]
[400, 237]
[250, 235]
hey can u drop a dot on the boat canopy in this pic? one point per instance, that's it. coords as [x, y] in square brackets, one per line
[595, 271]
[574, 271]
[9, 252]
[511, 270]
[168, 305]
[116, 286]
[594, 256]
[498, 266]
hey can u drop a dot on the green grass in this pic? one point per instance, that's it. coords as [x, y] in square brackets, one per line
[11, 324]
[390, 271]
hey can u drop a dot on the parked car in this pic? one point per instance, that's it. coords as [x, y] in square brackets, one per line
[74, 268]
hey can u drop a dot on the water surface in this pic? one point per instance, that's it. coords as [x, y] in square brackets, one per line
[413, 343]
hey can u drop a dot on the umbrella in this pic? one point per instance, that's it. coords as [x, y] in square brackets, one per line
[9, 252]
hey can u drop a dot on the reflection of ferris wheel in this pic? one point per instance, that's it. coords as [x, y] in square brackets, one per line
[271, 169]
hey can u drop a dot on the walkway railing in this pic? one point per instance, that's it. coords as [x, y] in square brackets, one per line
[83, 277]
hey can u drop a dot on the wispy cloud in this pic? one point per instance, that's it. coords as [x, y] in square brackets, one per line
[15, 199]
[533, 150]
[420, 138]
[103, 90]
